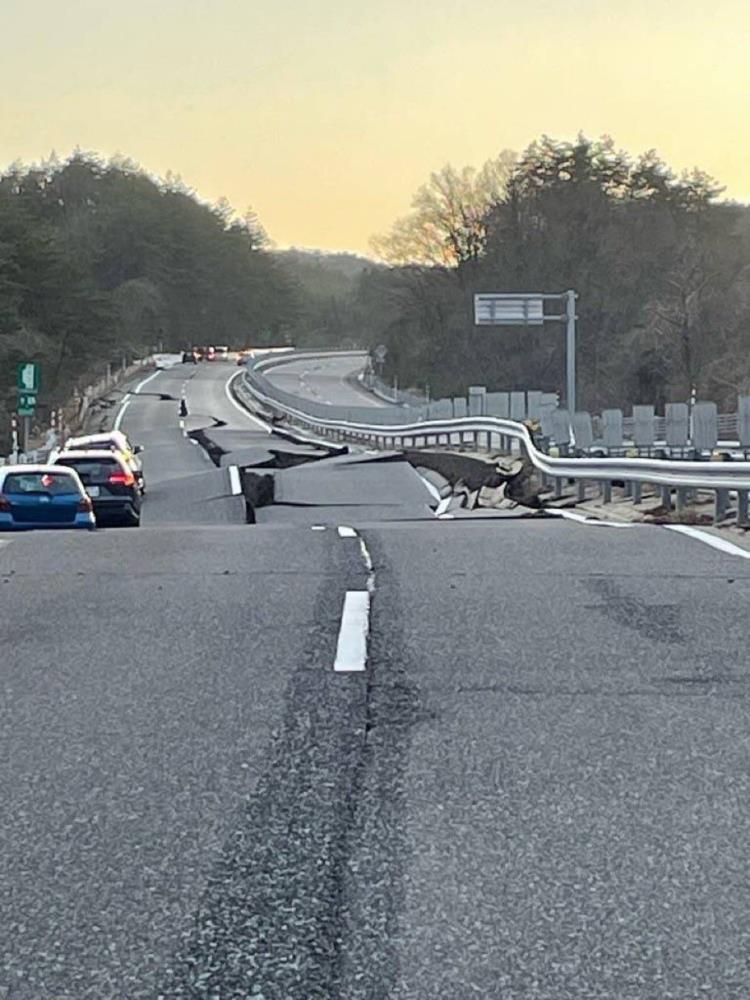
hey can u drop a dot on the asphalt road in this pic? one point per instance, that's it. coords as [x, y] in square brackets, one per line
[324, 381]
[537, 788]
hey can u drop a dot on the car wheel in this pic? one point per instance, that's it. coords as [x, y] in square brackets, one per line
[133, 520]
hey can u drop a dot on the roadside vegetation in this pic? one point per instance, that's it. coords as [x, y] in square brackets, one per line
[661, 264]
[100, 262]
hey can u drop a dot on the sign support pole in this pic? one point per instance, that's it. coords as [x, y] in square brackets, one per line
[527, 309]
[570, 318]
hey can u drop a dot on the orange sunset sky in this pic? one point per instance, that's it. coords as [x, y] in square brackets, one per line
[326, 116]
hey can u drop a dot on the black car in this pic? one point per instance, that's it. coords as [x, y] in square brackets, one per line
[110, 482]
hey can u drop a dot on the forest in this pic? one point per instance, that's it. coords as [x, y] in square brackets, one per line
[101, 262]
[661, 264]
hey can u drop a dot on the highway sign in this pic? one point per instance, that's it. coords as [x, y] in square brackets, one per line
[28, 377]
[508, 310]
[380, 353]
[27, 400]
[527, 309]
[25, 411]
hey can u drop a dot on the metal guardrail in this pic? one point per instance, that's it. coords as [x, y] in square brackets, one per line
[394, 429]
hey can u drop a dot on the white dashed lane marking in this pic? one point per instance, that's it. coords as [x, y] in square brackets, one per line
[351, 649]
[234, 480]
[354, 631]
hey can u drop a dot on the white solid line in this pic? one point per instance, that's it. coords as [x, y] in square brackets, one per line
[345, 532]
[253, 419]
[716, 543]
[121, 412]
[571, 515]
[234, 480]
[129, 397]
[351, 649]
[145, 380]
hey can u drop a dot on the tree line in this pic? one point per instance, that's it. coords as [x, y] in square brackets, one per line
[100, 262]
[661, 264]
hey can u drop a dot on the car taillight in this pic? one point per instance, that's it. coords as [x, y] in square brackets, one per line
[85, 505]
[4, 503]
[122, 479]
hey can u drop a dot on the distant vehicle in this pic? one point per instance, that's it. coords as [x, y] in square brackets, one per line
[109, 481]
[190, 357]
[222, 352]
[111, 441]
[209, 354]
[242, 356]
[43, 496]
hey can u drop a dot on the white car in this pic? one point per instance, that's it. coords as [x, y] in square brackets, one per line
[109, 441]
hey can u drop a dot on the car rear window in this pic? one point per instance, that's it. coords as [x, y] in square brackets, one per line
[92, 470]
[51, 483]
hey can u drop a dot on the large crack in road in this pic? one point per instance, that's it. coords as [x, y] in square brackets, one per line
[303, 902]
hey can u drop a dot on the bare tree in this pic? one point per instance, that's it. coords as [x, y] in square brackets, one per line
[447, 224]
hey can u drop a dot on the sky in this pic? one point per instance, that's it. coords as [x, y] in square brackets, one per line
[325, 116]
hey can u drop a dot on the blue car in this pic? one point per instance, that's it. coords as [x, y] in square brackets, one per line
[43, 496]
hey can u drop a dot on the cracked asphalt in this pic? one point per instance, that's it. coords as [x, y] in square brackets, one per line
[538, 789]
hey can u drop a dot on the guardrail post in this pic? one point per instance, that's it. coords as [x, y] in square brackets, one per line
[581, 490]
[666, 497]
[721, 504]
[681, 499]
[606, 489]
[558, 488]
[742, 518]
[637, 488]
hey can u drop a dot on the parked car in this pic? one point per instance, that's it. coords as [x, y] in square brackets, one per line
[111, 441]
[109, 481]
[43, 496]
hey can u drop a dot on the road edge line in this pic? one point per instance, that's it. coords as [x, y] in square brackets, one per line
[721, 544]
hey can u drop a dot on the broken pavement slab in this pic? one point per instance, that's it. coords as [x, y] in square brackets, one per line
[371, 483]
[474, 477]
